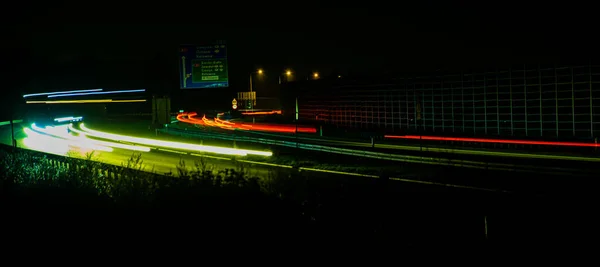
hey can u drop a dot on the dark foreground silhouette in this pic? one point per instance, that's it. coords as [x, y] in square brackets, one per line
[42, 201]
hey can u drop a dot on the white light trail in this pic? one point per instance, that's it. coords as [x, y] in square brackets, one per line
[64, 119]
[175, 145]
[63, 92]
[86, 101]
[82, 135]
[44, 143]
[98, 93]
[39, 135]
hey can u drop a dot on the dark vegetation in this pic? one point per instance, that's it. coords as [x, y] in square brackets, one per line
[44, 195]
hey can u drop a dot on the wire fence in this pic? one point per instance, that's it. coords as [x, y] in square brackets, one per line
[529, 101]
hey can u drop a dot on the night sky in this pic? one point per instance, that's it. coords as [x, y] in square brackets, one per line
[133, 44]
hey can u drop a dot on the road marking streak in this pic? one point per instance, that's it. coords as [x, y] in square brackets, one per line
[265, 163]
[448, 185]
[207, 156]
[173, 151]
[339, 172]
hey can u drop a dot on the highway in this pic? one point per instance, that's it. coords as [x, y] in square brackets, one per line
[525, 161]
[164, 158]
[434, 149]
[157, 159]
[380, 146]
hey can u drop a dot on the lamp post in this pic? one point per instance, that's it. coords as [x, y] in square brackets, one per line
[288, 74]
[12, 128]
[258, 72]
[13, 111]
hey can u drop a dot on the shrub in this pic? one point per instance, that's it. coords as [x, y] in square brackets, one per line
[131, 182]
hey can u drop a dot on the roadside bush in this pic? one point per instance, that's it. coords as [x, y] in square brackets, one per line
[131, 182]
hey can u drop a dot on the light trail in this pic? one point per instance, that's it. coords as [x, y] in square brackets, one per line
[278, 128]
[248, 127]
[69, 101]
[62, 92]
[65, 119]
[96, 93]
[173, 145]
[182, 117]
[206, 121]
[252, 113]
[84, 138]
[498, 141]
[86, 101]
[63, 133]
[224, 124]
[50, 138]
[128, 101]
[44, 143]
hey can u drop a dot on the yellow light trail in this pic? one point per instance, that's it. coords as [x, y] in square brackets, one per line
[129, 101]
[172, 145]
[86, 101]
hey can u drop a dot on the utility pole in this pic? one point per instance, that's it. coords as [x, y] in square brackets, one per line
[251, 99]
[12, 125]
[250, 82]
[12, 132]
[183, 70]
[486, 227]
[296, 120]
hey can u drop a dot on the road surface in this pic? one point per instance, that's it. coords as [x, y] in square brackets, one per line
[397, 148]
[159, 160]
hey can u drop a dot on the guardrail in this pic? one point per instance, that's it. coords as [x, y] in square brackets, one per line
[104, 169]
[8, 122]
[381, 155]
[115, 173]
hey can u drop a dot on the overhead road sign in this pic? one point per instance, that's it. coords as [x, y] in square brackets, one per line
[203, 66]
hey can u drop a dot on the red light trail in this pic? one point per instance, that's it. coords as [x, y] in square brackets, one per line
[223, 124]
[252, 113]
[486, 140]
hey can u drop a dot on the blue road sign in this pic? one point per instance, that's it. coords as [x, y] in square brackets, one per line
[203, 66]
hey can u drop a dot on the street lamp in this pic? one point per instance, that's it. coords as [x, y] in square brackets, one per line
[288, 74]
[259, 72]
[316, 75]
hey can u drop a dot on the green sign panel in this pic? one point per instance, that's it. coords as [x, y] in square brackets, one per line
[209, 70]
